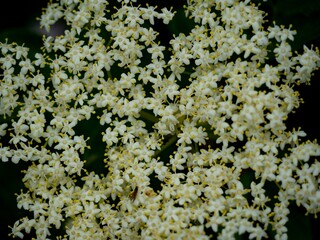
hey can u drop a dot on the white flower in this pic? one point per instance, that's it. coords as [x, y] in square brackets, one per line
[185, 125]
[110, 137]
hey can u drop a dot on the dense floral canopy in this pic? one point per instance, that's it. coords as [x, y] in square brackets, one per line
[194, 134]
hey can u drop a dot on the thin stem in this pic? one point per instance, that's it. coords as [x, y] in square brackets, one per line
[171, 141]
[148, 116]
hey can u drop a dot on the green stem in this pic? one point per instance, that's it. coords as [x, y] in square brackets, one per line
[195, 147]
[148, 116]
[171, 141]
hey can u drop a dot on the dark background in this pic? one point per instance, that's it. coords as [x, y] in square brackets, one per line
[17, 22]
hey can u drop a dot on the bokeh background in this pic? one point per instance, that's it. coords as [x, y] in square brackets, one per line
[18, 23]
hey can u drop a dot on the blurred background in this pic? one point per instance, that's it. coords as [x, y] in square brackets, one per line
[18, 23]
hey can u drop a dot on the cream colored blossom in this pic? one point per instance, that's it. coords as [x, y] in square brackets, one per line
[176, 131]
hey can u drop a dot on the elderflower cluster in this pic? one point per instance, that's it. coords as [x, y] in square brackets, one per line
[182, 125]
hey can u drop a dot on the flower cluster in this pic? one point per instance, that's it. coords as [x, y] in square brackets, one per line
[182, 125]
